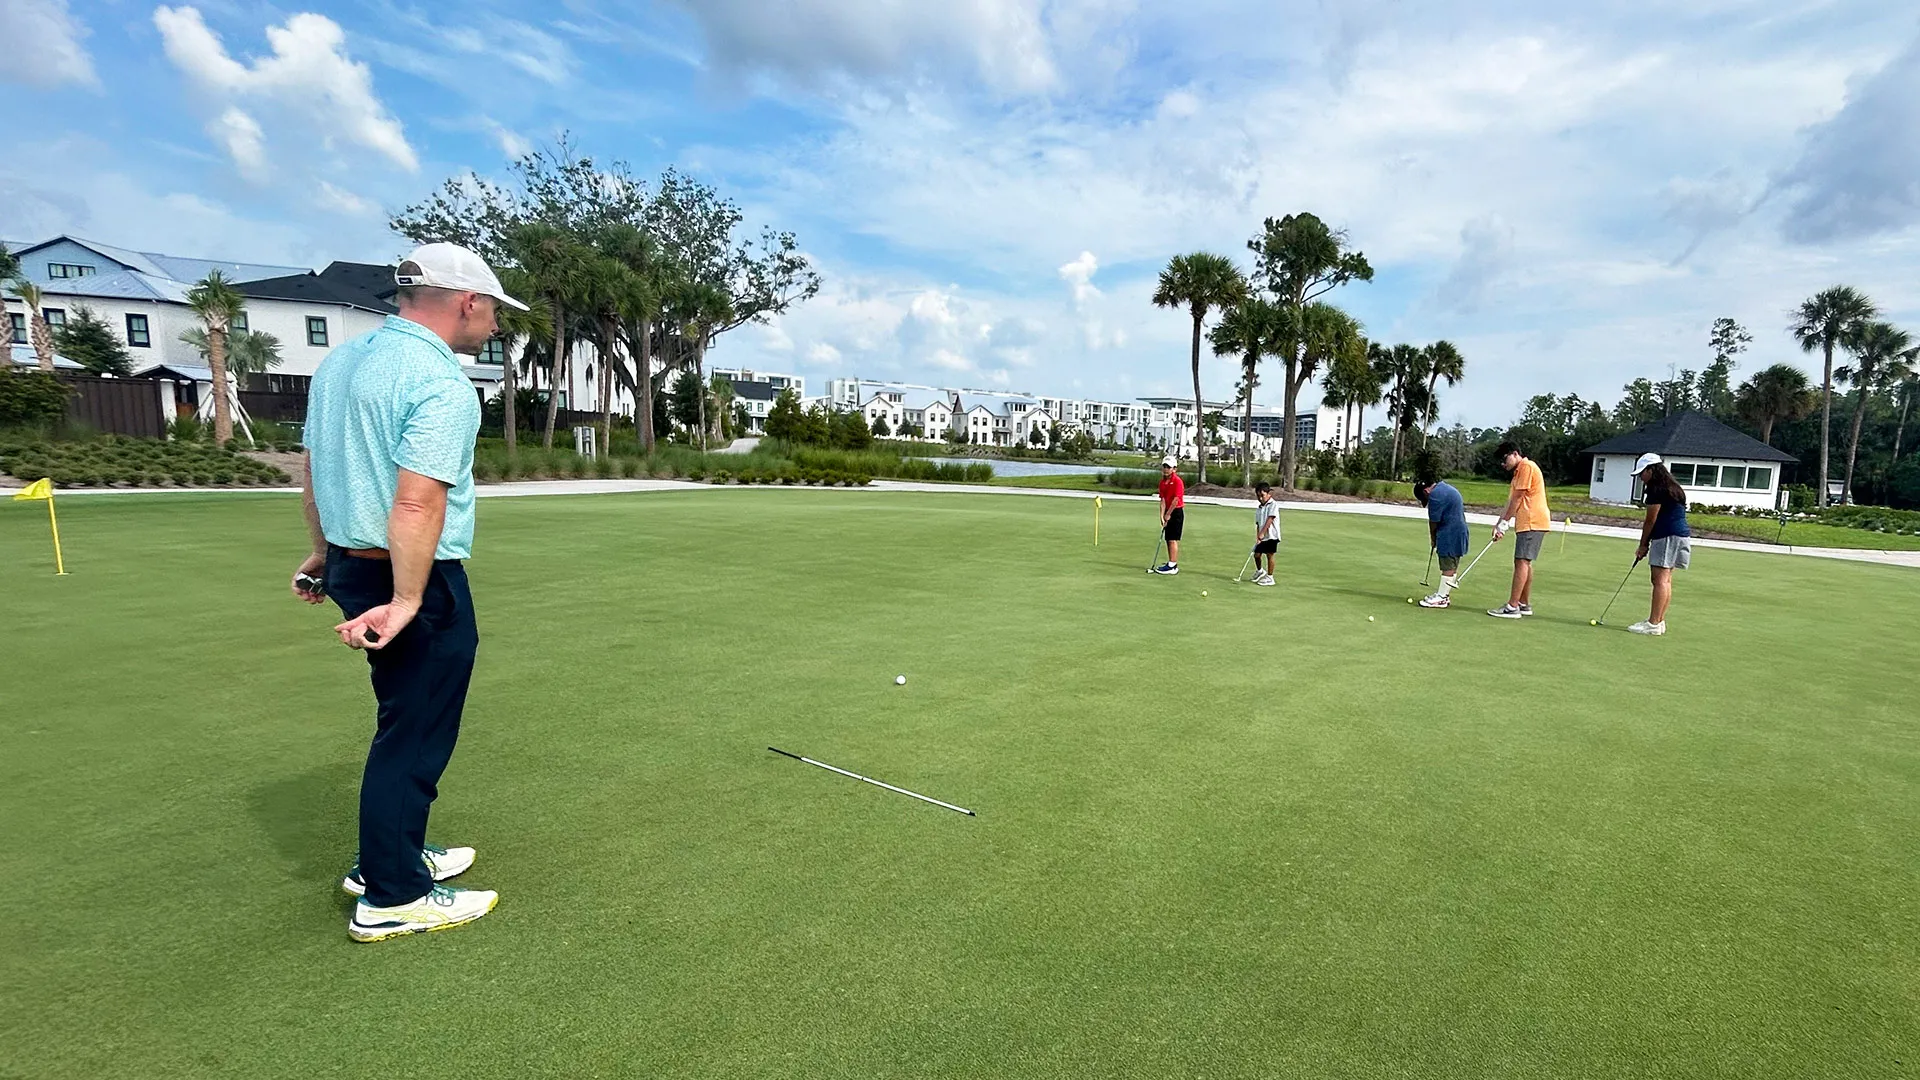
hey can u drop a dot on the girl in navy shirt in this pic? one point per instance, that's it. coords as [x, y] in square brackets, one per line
[1664, 537]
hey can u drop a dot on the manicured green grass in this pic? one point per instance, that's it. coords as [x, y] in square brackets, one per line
[1253, 834]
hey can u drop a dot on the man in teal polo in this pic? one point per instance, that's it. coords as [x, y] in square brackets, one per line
[391, 422]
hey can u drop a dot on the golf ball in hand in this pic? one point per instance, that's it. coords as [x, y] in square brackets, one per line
[899, 680]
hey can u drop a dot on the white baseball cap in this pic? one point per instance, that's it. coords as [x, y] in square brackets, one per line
[450, 266]
[1169, 462]
[1646, 460]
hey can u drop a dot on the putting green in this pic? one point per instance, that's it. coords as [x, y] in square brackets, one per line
[1250, 835]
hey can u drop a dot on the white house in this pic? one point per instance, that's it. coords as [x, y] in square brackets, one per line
[975, 423]
[932, 414]
[1717, 465]
[887, 405]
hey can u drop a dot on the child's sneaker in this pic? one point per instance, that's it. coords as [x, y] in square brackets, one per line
[1438, 599]
[1263, 579]
[443, 908]
[1651, 629]
[1167, 568]
[442, 863]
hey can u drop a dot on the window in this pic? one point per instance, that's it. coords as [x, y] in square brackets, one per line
[56, 317]
[1599, 469]
[1733, 476]
[68, 270]
[137, 335]
[1682, 473]
[494, 352]
[317, 330]
[1759, 479]
[19, 325]
[284, 384]
[239, 323]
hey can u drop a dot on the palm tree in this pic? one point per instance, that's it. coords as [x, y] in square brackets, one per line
[1778, 393]
[1823, 322]
[703, 310]
[1877, 348]
[1906, 387]
[554, 259]
[249, 352]
[1350, 386]
[720, 389]
[217, 303]
[1406, 372]
[1443, 361]
[518, 329]
[1325, 334]
[1200, 282]
[1251, 330]
[38, 332]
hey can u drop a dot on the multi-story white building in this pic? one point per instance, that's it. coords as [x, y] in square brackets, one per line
[757, 391]
[142, 296]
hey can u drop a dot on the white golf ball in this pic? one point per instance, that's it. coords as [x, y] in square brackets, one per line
[899, 680]
[1369, 618]
[1203, 592]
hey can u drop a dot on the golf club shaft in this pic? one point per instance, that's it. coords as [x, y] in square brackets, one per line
[1429, 571]
[1616, 593]
[1244, 565]
[1476, 562]
[1156, 547]
[875, 783]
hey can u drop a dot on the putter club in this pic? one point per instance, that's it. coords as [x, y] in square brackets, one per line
[875, 783]
[1602, 620]
[1429, 570]
[1461, 580]
[1156, 549]
[1243, 568]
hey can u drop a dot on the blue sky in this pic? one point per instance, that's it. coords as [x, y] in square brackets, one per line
[989, 186]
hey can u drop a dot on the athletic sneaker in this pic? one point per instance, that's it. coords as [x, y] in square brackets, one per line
[1506, 611]
[1263, 579]
[1167, 568]
[1652, 629]
[1438, 599]
[1526, 610]
[443, 863]
[444, 907]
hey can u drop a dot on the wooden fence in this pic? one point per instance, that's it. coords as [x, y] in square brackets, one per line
[137, 407]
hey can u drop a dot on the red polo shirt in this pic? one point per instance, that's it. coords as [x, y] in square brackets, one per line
[1173, 492]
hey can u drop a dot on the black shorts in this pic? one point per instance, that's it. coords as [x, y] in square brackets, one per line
[1175, 522]
[1266, 547]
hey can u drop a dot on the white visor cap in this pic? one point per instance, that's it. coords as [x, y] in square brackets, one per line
[450, 266]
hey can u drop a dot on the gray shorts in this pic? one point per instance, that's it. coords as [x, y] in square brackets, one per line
[1449, 563]
[1671, 552]
[1526, 545]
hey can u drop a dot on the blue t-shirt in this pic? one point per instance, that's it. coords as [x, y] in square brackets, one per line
[1672, 520]
[1446, 507]
[392, 399]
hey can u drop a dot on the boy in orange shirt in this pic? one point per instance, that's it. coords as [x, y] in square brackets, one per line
[1525, 517]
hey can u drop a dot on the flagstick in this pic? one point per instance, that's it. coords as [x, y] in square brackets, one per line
[59, 563]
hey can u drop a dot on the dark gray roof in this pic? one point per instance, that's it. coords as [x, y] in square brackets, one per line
[316, 289]
[374, 279]
[1690, 434]
[754, 391]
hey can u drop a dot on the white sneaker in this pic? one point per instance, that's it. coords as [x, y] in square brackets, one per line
[443, 908]
[442, 863]
[1651, 629]
[1168, 569]
[1437, 600]
[1264, 579]
[1507, 611]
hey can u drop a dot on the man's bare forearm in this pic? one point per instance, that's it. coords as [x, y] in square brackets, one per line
[413, 535]
[311, 509]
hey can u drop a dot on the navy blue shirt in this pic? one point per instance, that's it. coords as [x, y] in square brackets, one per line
[1672, 520]
[1446, 508]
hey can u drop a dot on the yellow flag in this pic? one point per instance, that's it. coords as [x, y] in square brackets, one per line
[39, 489]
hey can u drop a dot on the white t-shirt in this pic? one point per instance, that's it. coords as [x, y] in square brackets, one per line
[1266, 520]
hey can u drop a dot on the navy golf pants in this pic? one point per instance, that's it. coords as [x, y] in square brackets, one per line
[420, 682]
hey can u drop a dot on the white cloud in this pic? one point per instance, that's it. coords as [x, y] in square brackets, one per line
[1000, 43]
[1079, 275]
[42, 44]
[308, 84]
[514, 145]
[341, 201]
[244, 142]
[1486, 250]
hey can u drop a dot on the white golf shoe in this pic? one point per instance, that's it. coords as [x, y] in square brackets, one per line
[443, 908]
[442, 863]
[1651, 629]
[1263, 579]
[1437, 600]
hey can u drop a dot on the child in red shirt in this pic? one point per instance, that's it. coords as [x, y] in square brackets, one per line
[1173, 513]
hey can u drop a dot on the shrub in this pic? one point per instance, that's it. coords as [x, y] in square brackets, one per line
[31, 398]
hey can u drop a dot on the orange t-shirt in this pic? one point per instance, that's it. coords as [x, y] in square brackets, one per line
[1531, 488]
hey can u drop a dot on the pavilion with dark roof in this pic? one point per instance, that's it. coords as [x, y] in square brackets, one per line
[1718, 465]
